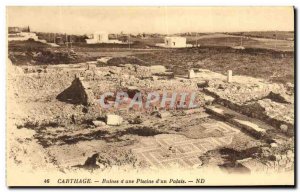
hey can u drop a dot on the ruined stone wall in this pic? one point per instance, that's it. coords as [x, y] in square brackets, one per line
[78, 93]
[274, 113]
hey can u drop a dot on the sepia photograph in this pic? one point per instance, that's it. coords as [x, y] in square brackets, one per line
[150, 96]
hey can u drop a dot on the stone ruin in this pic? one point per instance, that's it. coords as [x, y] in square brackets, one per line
[79, 92]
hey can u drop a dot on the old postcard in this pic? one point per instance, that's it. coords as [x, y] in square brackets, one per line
[150, 96]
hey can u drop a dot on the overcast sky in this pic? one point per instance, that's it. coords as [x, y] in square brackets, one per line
[85, 20]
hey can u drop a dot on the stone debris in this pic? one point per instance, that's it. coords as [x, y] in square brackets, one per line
[154, 78]
[215, 110]
[244, 160]
[204, 74]
[192, 111]
[99, 123]
[103, 60]
[113, 119]
[202, 84]
[251, 127]
[192, 74]
[284, 128]
[208, 99]
[274, 145]
[136, 120]
[163, 114]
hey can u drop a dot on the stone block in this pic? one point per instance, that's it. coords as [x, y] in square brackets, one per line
[99, 123]
[114, 120]
[229, 76]
[274, 145]
[192, 74]
[214, 110]
[208, 99]
[250, 126]
[284, 128]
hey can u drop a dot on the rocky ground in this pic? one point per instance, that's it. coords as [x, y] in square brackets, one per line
[54, 121]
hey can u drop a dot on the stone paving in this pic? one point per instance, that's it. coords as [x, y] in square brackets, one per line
[169, 150]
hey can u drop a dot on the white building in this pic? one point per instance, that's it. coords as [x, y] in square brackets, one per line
[175, 42]
[100, 37]
[22, 36]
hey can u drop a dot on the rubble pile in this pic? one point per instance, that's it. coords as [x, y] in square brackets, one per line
[276, 114]
[240, 93]
[124, 60]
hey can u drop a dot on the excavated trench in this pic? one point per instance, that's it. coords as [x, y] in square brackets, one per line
[47, 139]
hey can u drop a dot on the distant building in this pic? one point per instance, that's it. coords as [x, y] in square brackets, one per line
[100, 37]
[21, 34]
[12, 30]
[18, 29]
[175, 42]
